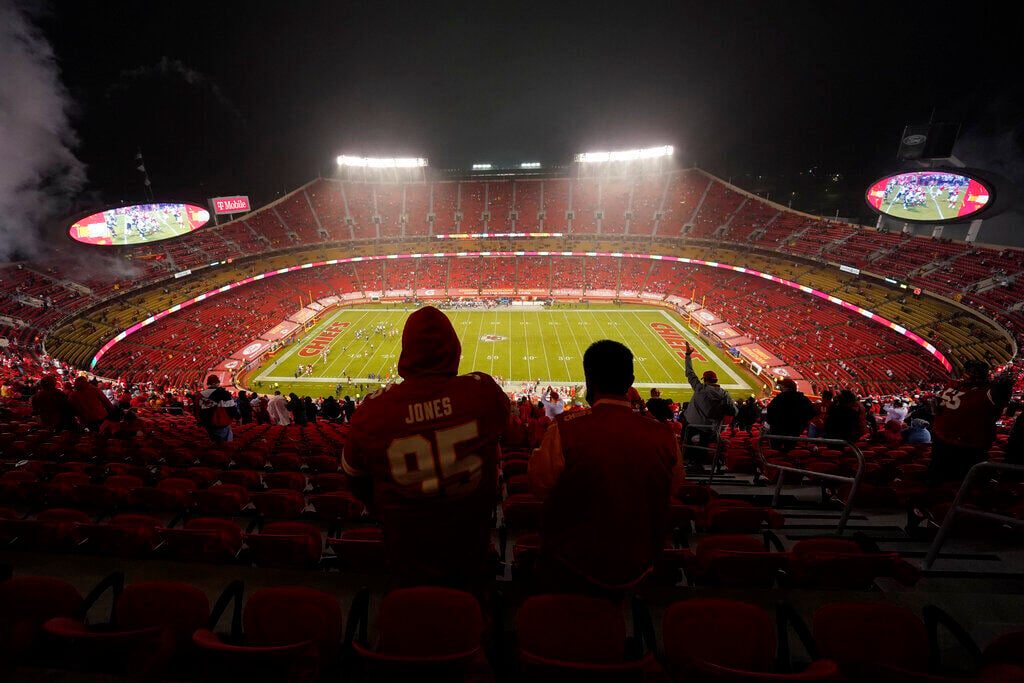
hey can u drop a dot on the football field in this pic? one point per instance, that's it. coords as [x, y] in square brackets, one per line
[359, 347]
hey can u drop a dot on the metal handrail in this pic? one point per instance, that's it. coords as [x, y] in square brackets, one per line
[958, 508]
[854, 480]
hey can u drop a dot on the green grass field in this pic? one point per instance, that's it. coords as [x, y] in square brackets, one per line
[935, 208]
[515, 345]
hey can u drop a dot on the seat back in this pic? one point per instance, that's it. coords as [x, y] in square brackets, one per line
[429, 622]
[725, 633]
[864, 634]
[289, 615]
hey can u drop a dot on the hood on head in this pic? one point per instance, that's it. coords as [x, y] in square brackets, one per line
[429, 345]
[81, 382]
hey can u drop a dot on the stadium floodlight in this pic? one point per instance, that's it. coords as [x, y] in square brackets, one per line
[383, 162]
[482, 167]
[625, 155]
[530, 164]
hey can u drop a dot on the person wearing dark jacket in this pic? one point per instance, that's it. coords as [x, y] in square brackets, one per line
[747, 414]
[788, 414]
[310, 409]
[208, 400]
[846, 418]
[298, 410]
[331, 409]
[244, 407]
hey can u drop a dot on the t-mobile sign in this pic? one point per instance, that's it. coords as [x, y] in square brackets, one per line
[238, 204]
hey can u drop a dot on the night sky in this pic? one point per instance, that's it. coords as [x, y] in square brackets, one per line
[258, 97]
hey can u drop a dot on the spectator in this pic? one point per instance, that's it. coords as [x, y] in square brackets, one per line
[244, 407]
[311, 410]
[895, 411]
[331, 409]
[706, 409]
[259, 410]
[607, 475]
[748, 413]
[52, 406]
[423, 456]
[788, 414]
[122, 424]
[211, 398]
[553, 405]
[965, 422]
[816, 429]
[917, 432]
[90, 405]
[846, 419]
[277, 406]
[348, 407]
[298, 410]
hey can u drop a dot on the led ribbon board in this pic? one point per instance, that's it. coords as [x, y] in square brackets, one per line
[917, 339]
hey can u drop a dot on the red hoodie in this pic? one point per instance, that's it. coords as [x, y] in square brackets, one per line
[88, 402]
[430, 448]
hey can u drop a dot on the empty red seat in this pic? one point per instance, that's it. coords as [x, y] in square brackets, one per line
[279, 503]
[26, 603]
[288, 633]
[733, 561]
[574, 637]
[321, 464]
[153, 621]
[427, 633]
[724, 516]
[127, 534]
[285, 480]
[361, 550]
[220, 499]
[708, 639]
[339, 505]
[55, 530]
[204, 539]
[328, 482]
[869, 639]
[286, 544]
[285, 462]
[839, 563]
[247, 479]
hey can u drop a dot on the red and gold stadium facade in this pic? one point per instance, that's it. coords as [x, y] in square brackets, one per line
[703, 236]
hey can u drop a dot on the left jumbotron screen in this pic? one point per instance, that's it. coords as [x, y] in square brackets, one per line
[139, 224]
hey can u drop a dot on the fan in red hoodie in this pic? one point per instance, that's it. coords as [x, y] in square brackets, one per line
[423, 455]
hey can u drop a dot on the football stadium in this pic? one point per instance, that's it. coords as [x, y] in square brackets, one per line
[612, 417]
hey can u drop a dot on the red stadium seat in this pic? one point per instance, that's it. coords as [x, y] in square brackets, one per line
[154, 621]
[576, 637]
[286, 544]
[204, 539]
[361, 550]
[279, 503]
[710, 639]
[288, 633]
[733, 561]
[426, 633]
[26, 603]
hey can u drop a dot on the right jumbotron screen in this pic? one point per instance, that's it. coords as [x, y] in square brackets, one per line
[929, 196]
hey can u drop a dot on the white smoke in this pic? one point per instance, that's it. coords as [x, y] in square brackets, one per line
[39, 172]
